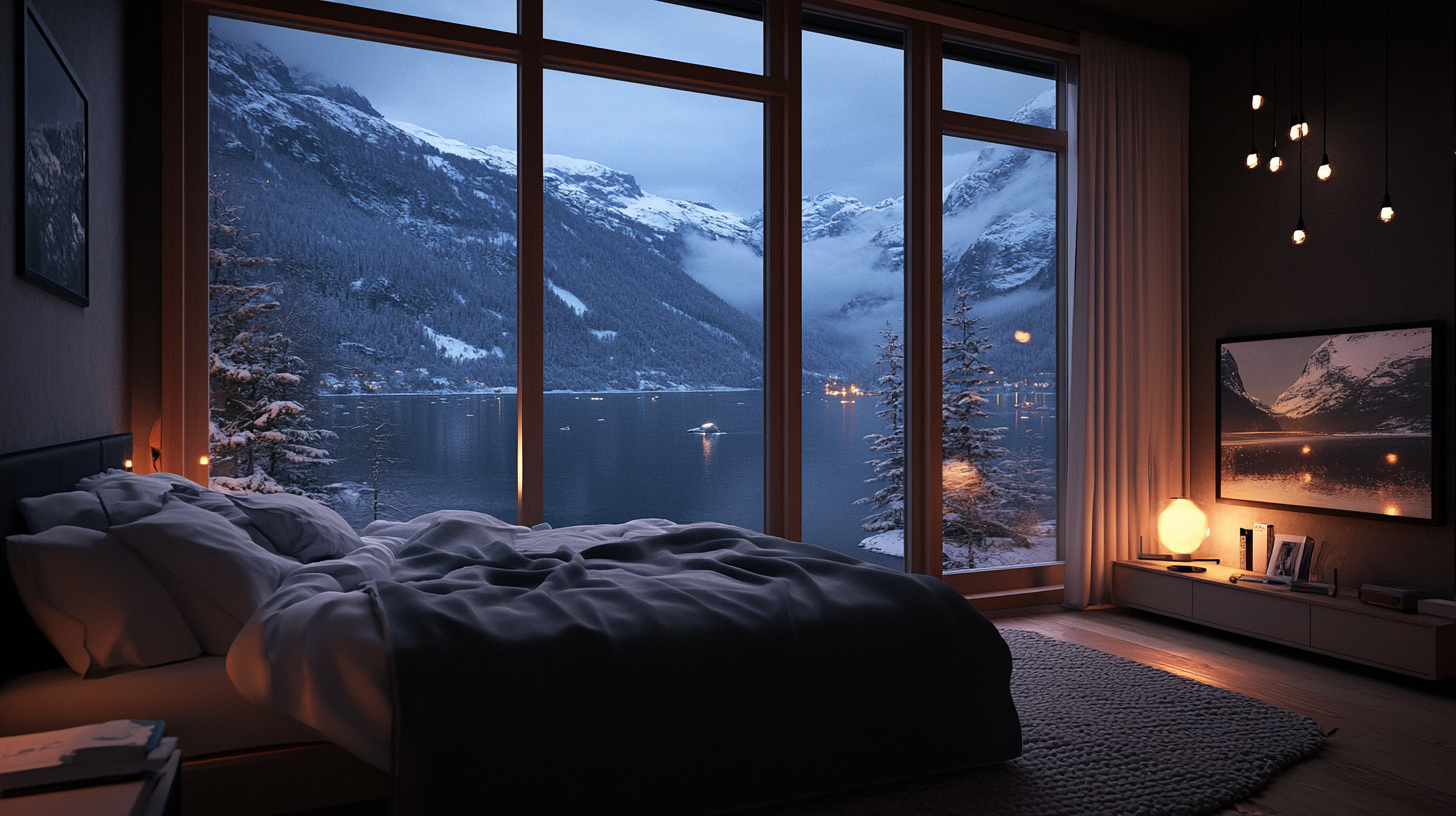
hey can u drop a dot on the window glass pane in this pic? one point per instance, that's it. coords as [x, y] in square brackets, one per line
[496, 14]
[999, 86]
[653, 311]
[854, 298]
[363, 272]
[999, 327]
[730, 36]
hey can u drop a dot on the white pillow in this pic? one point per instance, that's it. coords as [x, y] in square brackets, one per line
[215, 574]
[97, 602]
[299, 527]
[130, 496]
[76, 508]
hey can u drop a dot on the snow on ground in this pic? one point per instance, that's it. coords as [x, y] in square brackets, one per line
[457, 349]
[1001, 552]
[568, 298]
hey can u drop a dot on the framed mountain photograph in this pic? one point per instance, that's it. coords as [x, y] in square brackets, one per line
[1336, 422]
[52, 133]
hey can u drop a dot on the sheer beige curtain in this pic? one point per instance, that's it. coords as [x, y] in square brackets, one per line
[1127, 439]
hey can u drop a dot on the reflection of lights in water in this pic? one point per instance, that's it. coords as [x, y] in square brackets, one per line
[1392, 510]
[708, 440]
[1391, 458]
[1022, 336]
[1306, 478]
[1304, 450]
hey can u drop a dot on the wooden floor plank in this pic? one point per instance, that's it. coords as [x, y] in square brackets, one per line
[1395, 749]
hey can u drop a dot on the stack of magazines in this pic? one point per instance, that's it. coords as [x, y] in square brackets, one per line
[100, 754]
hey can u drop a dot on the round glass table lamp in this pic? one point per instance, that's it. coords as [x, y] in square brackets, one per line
[1182, 526]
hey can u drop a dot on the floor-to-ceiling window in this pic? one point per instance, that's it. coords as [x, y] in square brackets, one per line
[613, 340]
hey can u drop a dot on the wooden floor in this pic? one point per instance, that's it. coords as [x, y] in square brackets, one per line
[1395, 749]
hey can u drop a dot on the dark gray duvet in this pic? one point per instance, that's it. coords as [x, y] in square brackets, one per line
[702, 669]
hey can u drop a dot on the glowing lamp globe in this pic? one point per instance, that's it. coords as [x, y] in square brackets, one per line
[1182, 526]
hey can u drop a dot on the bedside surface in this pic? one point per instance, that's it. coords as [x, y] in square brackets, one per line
[103, 800]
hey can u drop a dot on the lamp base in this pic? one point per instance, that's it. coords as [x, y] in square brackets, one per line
[1166, 557]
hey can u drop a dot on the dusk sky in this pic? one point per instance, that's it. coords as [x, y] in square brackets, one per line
[677, 144]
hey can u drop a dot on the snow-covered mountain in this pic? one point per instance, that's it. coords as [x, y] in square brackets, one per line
[1240, 412]
[401, 241]
[1368, 382]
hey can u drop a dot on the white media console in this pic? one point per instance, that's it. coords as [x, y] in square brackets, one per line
[1340, 626]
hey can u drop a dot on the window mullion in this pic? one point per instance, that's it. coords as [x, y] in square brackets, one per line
[530, 258]
[922, 300]
[783, 300]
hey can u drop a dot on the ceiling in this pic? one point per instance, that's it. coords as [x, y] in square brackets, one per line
[1190, 16]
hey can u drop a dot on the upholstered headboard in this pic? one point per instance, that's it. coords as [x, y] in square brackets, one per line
[39, 472]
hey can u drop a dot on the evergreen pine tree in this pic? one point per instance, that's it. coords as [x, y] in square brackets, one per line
[889, 501]
[262, 437]
[972, 496]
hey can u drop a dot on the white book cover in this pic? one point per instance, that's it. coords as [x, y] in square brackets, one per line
[104, 749]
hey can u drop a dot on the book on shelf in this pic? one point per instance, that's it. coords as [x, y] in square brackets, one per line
[118, 748]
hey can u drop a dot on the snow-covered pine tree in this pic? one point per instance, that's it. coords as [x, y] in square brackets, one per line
[889, 501]
[971, 495]
[262, 437]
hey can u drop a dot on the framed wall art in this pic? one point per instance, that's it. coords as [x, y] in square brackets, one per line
[53, 165]
[1341, 421]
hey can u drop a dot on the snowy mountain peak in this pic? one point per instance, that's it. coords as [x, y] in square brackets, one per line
[609, 197]
[1041, 111]
[1350, 370]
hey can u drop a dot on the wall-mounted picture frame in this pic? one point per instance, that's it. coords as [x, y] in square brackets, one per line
[1347, 421]
[54, 200]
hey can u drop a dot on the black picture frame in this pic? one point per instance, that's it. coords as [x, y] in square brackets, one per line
[52, 137]
[1347, 422]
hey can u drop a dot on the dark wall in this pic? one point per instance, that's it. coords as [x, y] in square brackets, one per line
[63, 367]
[1246, 277]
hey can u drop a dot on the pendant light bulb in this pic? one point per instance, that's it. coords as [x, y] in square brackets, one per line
[1303, 127]
[1252, 162]
[1258, 101]
[1274, 161]
[1296, 131]
[1325, 171]
[1299, 235]
[1387, 212]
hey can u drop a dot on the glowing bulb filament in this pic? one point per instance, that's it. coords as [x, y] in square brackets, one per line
[1387, 213]
[1298, 236]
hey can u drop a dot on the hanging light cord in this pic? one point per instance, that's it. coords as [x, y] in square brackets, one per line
[1387, 98]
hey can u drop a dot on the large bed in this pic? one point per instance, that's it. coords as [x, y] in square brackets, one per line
[457, 663]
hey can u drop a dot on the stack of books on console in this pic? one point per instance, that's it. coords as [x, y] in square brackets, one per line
[100, 754]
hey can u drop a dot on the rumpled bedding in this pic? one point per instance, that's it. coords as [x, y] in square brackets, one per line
[645, 667]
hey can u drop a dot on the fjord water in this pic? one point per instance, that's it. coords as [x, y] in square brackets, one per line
[458, 451]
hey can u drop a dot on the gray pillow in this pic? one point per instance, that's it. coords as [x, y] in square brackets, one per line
[299, 527]
[75, 508]
[214, 573]
[220, 504]
[97, 602]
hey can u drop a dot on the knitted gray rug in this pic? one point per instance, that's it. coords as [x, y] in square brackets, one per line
[1104, 735]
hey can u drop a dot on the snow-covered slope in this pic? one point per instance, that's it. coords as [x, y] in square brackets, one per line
[1372, 381]
[609, 197]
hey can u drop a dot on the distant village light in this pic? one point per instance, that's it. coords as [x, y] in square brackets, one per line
[1022, 336]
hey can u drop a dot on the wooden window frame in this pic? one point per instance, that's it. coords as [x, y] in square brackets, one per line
[185, 392]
